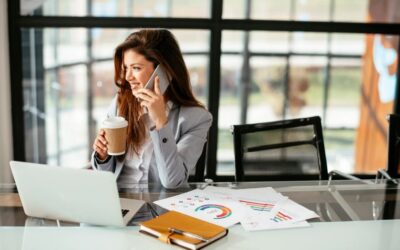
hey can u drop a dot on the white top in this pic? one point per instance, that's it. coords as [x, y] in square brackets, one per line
[136, 167]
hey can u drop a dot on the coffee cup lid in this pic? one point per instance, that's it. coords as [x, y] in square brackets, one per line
[114, 122]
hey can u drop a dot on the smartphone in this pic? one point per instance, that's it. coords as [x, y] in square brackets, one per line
[162, 75]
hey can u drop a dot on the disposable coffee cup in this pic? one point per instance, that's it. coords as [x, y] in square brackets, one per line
[115, 128]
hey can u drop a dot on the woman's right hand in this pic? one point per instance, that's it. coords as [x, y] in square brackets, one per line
[100, 145]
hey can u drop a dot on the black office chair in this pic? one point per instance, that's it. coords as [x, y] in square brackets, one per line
[281, 150]
[197, 175]
[393, 145]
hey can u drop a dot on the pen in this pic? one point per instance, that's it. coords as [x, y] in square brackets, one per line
[184, 233]
[152, 210]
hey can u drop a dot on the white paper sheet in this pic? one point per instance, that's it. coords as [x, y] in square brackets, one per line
[258, 225]
[255, 208]
[254, 200]
[285, 214]
[205, 206]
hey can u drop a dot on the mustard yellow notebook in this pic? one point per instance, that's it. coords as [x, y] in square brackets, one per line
[183, 230]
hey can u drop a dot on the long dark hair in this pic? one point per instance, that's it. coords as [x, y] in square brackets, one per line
[159, 47]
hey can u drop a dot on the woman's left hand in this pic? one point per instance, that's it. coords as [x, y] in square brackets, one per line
[155, 104]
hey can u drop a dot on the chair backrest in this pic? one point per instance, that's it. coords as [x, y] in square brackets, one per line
[281, 150]
[393, 145]
[198, 174]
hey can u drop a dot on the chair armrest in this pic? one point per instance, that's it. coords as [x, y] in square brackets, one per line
[347, 176]
[383, 174]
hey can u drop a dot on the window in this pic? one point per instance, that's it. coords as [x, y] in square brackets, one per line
[249, 61]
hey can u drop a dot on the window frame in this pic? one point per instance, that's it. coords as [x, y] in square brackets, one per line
[215, 24]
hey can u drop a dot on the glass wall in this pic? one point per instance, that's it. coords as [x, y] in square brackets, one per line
[299, 10]
[122, 8]
[265, 74]
[293, 74]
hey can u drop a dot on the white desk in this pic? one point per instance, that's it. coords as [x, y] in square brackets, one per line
[362, 235]
[352, 216]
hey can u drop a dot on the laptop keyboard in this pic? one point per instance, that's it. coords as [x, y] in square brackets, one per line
[124, 212]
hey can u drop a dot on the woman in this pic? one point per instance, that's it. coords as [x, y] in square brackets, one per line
[166, 132]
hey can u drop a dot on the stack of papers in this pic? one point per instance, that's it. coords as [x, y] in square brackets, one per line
[255, 208]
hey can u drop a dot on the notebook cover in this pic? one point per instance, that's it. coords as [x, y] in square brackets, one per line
[173, 219]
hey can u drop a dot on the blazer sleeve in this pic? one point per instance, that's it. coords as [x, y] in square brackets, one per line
[110, 163]
[175, 159]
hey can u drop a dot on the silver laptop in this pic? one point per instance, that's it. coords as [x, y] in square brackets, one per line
[73, 195]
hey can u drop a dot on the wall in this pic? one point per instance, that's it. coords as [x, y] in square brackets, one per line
[5, 99]
[378, 89]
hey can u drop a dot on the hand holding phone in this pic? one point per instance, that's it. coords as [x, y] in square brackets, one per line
[162, 76]
[152, 104]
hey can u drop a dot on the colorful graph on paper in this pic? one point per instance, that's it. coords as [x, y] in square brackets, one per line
[205, 206]
[258, 206]
[189, 202]
[218, 211]
[279, 217]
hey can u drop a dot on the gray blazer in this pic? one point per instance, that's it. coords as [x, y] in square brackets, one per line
[177, 146]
